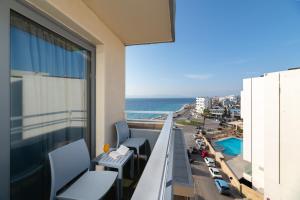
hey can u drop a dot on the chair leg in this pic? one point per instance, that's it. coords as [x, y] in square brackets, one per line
[146, 151]
[120, 182]
[138, 160]
[117, 189]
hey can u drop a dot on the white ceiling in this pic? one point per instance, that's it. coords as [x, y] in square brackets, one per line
[137, 21]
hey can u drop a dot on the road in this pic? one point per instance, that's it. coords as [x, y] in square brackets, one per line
[185, 115]
[211, 124]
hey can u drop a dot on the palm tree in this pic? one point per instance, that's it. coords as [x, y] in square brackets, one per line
[225, 113]
[205, 114]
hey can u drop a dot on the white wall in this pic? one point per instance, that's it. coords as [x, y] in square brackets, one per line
[252, 112]
[271, 132]
[290, 135]
[258, 133]
[275, 133]
[246, 111]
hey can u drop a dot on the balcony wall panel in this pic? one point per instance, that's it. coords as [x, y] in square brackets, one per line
[289, 134]
[258, 133]
[246, 112]
[271, 105]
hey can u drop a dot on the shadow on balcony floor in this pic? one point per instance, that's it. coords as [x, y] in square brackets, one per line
[129, 185]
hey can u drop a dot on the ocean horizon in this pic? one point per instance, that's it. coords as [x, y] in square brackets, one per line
[154, 104]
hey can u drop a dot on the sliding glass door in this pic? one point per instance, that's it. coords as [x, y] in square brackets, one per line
[49, 92]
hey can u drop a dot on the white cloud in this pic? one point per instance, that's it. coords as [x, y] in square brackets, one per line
[198, 76]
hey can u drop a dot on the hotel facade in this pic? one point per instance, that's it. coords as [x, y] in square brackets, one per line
[270, 110]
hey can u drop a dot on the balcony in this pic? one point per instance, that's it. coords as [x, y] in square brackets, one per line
[159, 179]
[59, 64]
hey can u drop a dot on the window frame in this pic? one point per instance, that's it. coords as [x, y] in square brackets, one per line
[47, 21]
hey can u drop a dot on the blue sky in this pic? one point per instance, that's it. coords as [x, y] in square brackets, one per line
[218, 43]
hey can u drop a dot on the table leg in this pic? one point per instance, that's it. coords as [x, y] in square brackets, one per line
[120, 182]
[132, 167]
[118, 189]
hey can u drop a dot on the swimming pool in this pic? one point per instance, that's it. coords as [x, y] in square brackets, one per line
[230, 146]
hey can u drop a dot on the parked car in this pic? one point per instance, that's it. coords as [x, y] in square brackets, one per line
[215, 172]
[197, 136]
[204, 153]
[222, 186]
[199, 140]
[210, 162]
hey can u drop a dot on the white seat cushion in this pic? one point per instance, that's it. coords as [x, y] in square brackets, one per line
[92, 185]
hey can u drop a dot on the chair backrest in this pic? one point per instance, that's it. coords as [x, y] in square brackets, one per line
[123, 132]
[66, 163]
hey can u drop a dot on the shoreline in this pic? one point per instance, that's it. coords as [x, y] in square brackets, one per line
[176, 113]
[183, 107]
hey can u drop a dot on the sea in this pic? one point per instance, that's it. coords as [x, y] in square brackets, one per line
[154, 104]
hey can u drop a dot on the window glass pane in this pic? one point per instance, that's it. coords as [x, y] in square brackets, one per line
[48, 102]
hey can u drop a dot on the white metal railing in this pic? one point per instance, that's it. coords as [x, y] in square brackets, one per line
[153, 182]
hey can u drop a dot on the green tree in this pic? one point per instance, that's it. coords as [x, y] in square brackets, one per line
[225, 113]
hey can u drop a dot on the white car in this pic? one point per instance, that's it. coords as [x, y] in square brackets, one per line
[200, 144]
[199, 141]
[210, 162]
[214, 172]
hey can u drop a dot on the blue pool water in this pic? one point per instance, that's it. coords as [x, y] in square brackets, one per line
[231, 146]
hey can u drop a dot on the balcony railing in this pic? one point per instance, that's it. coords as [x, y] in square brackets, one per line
[155, 182]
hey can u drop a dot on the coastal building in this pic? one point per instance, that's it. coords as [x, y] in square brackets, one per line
[215, 101]
[217, 111]
[233, 98]
[62, 74]
[235, 112]
[270, 111]
[202, 103]
[226, 103]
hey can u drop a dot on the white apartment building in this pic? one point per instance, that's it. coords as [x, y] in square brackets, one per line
[202, 103]
[233, 98]
[226, 103]
[217, 111]
[228, 100]
[270, 110]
